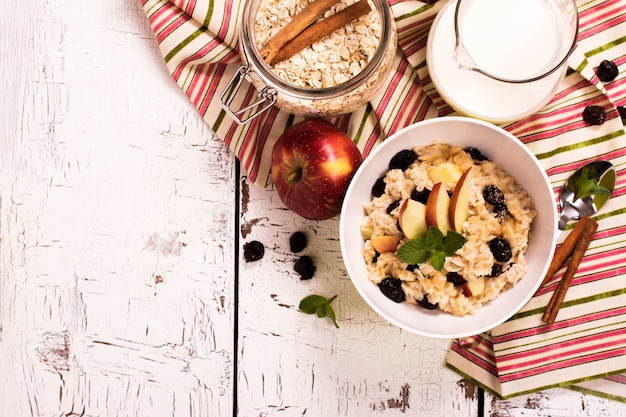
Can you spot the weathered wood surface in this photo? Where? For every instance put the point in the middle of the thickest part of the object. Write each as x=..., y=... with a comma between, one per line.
x=117, y=223
x=123, y=291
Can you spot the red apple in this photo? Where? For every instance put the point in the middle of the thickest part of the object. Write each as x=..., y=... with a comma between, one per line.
x=385, y=243
x=474, y=288
x=412, y=218
x=312, y=165
x=437, y=208
x=459, y=201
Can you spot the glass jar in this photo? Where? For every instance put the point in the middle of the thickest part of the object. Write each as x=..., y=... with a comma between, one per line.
x=272, y=89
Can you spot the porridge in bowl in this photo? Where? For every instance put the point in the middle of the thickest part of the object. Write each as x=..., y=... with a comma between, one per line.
x=443, y=192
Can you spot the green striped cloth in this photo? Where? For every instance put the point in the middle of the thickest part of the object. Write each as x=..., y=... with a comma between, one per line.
x=586, y=348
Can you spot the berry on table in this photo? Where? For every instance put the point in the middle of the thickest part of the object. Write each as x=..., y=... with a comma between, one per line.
x=305, y=267
x=594, y=115
x=392, y=289
x=297, y=242
x=607, y=71
x=253, y=251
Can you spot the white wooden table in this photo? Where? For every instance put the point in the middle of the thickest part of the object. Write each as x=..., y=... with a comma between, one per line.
x=123, y=289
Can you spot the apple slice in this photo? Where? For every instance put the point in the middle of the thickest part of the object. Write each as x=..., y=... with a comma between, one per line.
x=437, y=208
x=459, y=201
x=447, y=173
x=385, y=243
x=367, y=230
x=474, y=288
x=412, y=218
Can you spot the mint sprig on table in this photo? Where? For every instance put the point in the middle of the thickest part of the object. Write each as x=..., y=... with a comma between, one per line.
x=586, y=184
x=316, y=304
x=432, y=247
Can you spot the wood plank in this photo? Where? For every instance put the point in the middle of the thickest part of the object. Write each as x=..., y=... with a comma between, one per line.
x=556, y=402
x=117, y=223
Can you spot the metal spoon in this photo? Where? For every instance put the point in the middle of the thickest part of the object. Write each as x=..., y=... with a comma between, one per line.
x=586, y=206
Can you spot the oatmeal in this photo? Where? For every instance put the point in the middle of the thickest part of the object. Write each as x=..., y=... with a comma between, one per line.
x=496, y=224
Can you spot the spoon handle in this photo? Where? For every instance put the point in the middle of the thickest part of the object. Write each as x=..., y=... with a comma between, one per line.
x=568, y=212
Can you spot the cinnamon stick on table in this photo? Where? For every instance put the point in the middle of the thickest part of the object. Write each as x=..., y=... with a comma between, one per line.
x=588, y=230
x=300, y=22
x=321, y=29
x=565, y=250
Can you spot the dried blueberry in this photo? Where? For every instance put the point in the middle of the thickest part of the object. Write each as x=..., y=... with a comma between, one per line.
x=426, y=304
x=594, y=115
x=394, y=205
x=403, y=159
x=607, y=71
x=493, y=195
x=375, y=257
x=253, y=251
x=305, y=267
x=297, y=242
x=392, y=289
x=501, y=249
x=496, y=270
x=420, y=195
x=378, y=188
x=412, y=267
x=455, y=278
x=475, y=154
x=501, y=210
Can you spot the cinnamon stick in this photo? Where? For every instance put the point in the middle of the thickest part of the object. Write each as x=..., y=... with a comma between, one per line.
x=565, y=250
x=321, y=29
x=300, y=22
x=589, y=229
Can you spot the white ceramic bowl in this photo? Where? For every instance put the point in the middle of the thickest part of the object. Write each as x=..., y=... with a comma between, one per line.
x=502, y=148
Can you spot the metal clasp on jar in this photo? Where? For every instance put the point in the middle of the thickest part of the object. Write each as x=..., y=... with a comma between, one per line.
x=267, y=97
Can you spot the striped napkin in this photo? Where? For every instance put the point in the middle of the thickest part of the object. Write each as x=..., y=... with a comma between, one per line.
x=584, y=349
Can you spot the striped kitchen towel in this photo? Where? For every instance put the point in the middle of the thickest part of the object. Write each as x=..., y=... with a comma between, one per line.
x=584, y=349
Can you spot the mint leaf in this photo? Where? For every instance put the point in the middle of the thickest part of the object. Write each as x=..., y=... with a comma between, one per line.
x=310, y=303
x=433, y=237
x=316, y=304
x=432, y=247
x=413, y=252
x=453, y=242
x=331, y=314
x=437, y=259
x=586, y=184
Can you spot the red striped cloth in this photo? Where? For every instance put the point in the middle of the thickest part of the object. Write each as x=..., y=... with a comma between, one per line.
x=585, y=348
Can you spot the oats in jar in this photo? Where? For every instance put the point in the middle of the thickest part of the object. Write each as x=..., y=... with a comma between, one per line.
x=331, y=61
x=457, y=192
